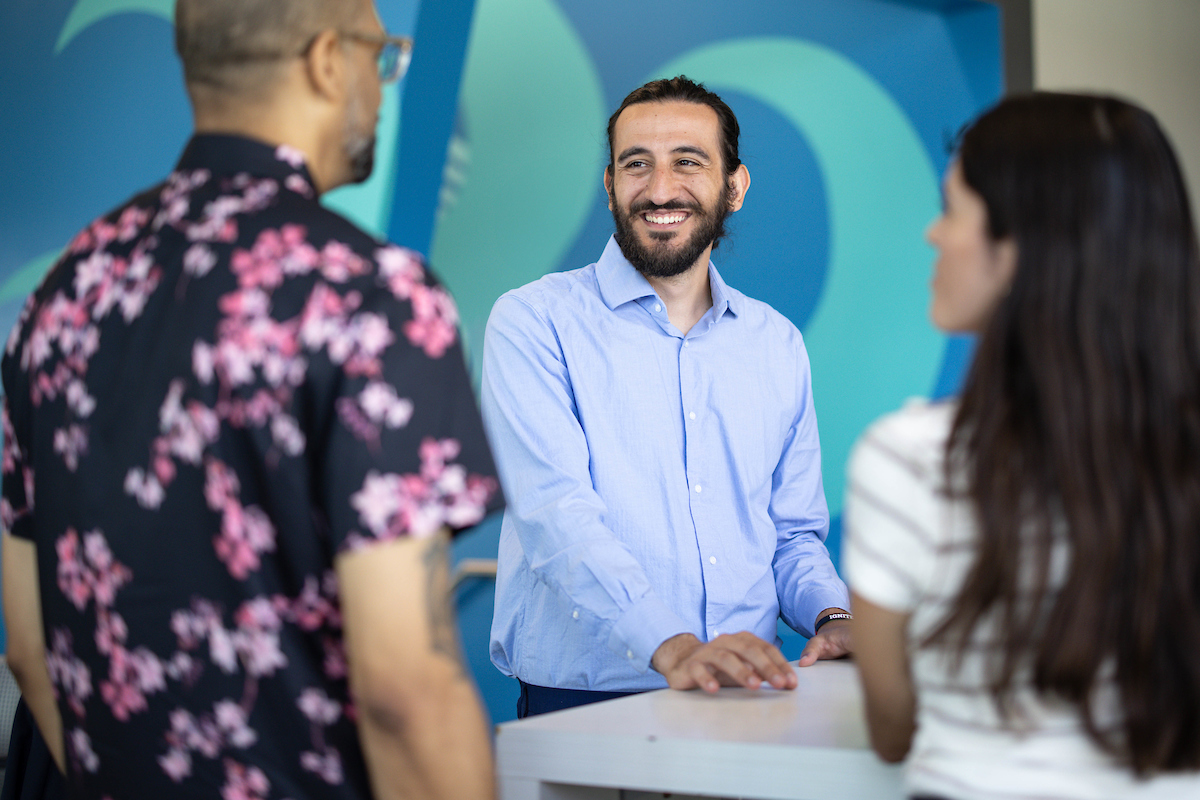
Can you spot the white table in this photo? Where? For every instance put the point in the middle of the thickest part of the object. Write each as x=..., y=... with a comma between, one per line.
x=807, y=744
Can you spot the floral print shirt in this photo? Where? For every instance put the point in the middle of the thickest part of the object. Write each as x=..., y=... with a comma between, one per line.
x=220, y=387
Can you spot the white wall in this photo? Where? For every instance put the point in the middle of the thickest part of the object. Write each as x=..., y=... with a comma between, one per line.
x=1145, y=50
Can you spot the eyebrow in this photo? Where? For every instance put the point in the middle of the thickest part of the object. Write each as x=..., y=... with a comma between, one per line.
x=639, y=151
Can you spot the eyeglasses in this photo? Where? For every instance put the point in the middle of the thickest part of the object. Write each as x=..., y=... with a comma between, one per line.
x=395, y=53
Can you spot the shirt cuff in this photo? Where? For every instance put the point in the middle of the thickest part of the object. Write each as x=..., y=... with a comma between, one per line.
x=642, y=628
x=817, y=601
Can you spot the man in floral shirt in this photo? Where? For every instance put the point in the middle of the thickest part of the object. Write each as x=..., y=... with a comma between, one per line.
x=238, y=432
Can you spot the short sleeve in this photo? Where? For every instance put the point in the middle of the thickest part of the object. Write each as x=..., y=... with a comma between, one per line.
x=893, y=507
x=404, y=451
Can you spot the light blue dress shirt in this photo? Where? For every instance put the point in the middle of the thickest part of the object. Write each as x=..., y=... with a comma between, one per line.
x=657, y=483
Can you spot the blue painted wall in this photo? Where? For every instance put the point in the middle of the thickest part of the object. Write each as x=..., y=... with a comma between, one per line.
x=492, y=150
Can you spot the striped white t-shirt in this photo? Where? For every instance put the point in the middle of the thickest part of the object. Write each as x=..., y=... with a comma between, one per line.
x=908, y=548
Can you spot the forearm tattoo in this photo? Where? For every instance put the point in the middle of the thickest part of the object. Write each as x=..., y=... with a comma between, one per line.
x=439, y=601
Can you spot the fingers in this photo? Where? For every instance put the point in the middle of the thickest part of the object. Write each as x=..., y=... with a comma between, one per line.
x=740, y=659
x=834, y=641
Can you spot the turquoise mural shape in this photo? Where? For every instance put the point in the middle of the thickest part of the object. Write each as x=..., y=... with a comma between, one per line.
x=529, y=185
x=869, y=340
x=86, y=13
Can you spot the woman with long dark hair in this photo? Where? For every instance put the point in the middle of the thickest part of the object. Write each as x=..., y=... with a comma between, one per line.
x=1025, y=562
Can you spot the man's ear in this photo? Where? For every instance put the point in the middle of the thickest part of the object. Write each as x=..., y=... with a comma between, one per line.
x=608, y=186
x=739, y=182
x=325, y=65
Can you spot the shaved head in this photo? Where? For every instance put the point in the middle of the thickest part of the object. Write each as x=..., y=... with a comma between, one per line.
x=236, y=48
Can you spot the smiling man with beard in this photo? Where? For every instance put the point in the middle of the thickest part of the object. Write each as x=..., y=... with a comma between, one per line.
x=655, y=432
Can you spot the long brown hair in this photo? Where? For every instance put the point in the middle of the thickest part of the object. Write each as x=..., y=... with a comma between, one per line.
x=1079, y=423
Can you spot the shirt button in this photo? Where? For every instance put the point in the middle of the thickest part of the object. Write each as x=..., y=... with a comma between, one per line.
x=575, y=615
x=692, y=415
x=629, y=654
x=697, y=490
x=712, y=559
x=657, y=307
x=687, y=343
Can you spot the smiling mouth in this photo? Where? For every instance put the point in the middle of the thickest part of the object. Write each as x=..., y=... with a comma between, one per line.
x=665, y=218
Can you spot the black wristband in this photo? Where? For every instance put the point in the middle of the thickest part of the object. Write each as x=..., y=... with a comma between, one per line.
x=827, y=617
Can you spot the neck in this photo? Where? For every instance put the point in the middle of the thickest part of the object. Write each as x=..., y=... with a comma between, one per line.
x=687, y=295
x=280, y=120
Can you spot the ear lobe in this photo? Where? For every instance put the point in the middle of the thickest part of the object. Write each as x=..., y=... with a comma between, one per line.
x=608, y=186
x=325, y=65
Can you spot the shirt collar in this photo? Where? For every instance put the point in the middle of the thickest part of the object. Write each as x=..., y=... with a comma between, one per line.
x=226, y=154
x=620, y=282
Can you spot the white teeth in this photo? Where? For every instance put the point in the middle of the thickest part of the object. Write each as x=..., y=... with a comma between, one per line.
x=666, y=219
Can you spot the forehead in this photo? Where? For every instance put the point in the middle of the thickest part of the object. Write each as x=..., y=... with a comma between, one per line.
x=667, y=125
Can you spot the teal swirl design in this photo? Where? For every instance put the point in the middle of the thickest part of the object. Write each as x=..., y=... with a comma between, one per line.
x=869, y=340
x=526, y=189
x=26, y=278
x=86, y=13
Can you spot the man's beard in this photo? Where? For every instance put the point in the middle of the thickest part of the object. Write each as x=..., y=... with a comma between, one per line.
x=660, y=259
x=358, y=146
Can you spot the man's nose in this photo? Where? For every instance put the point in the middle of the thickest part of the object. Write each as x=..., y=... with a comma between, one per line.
x=664, y=186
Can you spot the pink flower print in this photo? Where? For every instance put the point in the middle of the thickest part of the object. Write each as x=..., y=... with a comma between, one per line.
x=199, y=260
x=402, y=269
x=92, y=272
x=203, y=361
x=392, y=505
x=275, y=254
x=78, y=399
x=246, y=533
x=326, y=764
x=93, y=573
x=7, y=515
x=72, y=575
x=231, y=721
x=324, y=318
x=252, y=302
x=287, y=435
x=435, y=319
x=297, y=184
x=131, y=676
x=339, y=263
x=290, y=155
x=176, y=763
x=383, y=406
x=131, y=221
x=12, y=450
x=259, y=649
x=361, y=345
x=310, y=610
x=318, y=708
x=70, y=443
x=145, y=488
x=70, y=676
x=258, y=613
x=79, y=745
x=221, y=649
x=244, y=783
x=221, y=484
x=335, y=660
